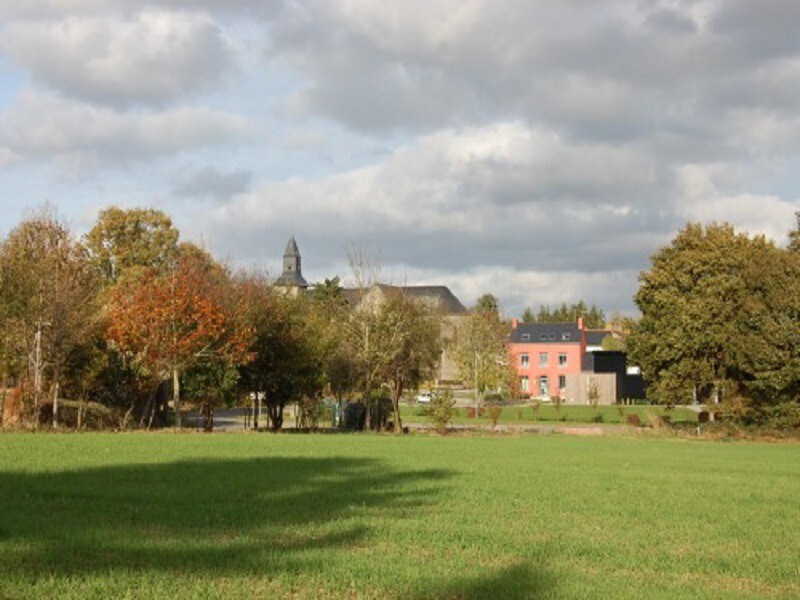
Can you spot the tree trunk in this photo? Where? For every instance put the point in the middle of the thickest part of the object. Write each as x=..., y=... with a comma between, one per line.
x=56, y=389
x=176, y=397
x=3, y=399
x=275, y=412
x=397, y=393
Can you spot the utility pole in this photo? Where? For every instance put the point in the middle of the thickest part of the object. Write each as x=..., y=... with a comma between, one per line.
x=37, y=369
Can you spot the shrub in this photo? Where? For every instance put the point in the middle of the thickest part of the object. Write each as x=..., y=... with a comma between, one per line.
x=633, y=420
x=520, y=416
x=442, y=410
x=598, y=418
x=495, y=412
x=535, y=406
x=557, y=401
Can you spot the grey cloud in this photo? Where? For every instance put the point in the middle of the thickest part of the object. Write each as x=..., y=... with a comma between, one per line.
x=211, y=183
x=46, y=127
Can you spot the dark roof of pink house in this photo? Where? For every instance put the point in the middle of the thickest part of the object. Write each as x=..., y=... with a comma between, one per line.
x=546, y=333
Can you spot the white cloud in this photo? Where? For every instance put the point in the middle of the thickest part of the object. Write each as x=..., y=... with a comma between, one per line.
x=151, y=58
x=701, y=200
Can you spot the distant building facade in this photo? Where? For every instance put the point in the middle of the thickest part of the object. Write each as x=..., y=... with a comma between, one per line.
x=566, y=360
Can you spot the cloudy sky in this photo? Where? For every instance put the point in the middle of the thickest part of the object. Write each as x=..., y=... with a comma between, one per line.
x=535, y=149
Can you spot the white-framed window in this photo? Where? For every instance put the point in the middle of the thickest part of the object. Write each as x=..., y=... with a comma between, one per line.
x=562, y=359
x=565, y=336
x=526, y=337
x=523, y=383
x=524, y=361
x=543, y=359
x=544, y=386
x=562, y=382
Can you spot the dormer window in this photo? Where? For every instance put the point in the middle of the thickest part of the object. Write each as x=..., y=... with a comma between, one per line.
x=526, y=337
x=565, y=336
x=551, y=336
x=543, y=336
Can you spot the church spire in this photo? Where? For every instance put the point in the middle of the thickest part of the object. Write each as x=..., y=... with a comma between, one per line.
x=292, y=276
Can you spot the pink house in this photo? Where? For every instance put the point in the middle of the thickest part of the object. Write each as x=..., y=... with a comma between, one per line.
x=544, y=354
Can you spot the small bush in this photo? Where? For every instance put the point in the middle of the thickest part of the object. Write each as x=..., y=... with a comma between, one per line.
x=633, y=420
x=442, y=410
x=535, y=406
x=495, y=412
x=598, y=418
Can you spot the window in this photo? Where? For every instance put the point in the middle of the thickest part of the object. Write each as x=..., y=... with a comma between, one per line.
x=543, y=359
x=543, y=336
x=562, y=382
x=523, y=383
x=565, y=337
x=526, y=337
x=551, y=336
x=544, y=386
x=524, y=361
x=562, y=359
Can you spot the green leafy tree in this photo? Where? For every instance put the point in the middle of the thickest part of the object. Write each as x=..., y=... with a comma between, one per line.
x=489, y=304
x=481, y=352
x=138, y=238
x=720, y=319
x=593, y=316
x=48, y=297
x=794, y=236
x=288, y=349
x=411, y=346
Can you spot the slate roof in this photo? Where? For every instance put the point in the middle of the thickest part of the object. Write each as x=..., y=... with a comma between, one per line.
x=446, y=299
x=595, y=337
x=441, y=294
x=291, y=279
x=546, y=333
x=291, y=248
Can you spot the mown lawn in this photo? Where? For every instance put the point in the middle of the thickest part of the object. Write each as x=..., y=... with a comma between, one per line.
x=259, y=515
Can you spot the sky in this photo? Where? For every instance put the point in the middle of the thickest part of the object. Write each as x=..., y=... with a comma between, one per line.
x=538, y=150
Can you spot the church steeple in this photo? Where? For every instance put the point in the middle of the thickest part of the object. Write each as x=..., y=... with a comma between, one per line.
x=292, y=276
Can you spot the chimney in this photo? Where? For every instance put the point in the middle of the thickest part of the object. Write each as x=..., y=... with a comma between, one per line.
x=514, y=323
x=580, y=323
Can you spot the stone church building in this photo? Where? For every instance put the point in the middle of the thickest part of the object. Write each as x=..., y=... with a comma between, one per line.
x=439, y=297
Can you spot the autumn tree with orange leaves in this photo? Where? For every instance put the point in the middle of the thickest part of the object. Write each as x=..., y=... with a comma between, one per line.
x=170, y=322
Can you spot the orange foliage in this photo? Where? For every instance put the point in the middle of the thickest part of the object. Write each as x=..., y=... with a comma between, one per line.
x=179, y=318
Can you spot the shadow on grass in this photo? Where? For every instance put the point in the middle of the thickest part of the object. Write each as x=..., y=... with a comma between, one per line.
x=516, y=582
x=211, y=517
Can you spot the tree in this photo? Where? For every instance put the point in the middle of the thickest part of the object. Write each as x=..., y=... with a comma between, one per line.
x=488, y=303
x=289, y=348
x=408, y=334
x=720, y=319
x=49, y=291
x=481, y=352
x=138, y=238
x=170, y=322
x=794, y=236
x=593, y=316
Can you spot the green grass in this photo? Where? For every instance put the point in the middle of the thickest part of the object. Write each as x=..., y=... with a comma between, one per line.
x=258, y=515
x=549, y=415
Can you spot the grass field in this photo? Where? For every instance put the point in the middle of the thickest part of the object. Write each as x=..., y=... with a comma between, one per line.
x=258, y=515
